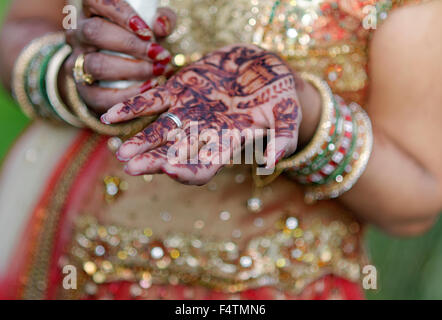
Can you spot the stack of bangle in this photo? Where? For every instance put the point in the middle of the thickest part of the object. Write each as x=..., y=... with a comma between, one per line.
x=338, y=153
x=35, y=87
x=28, y=83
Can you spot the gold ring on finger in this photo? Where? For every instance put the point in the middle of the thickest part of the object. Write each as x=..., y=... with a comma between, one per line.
x=80, y=76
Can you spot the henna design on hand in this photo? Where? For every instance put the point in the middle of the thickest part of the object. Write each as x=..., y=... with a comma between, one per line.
x=238, y=87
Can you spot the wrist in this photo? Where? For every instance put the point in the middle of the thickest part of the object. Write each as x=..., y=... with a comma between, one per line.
x=311, y=105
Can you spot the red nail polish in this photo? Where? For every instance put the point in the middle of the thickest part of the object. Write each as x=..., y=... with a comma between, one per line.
x=154, y=50
x=140, y=28
x=158, y=53
x=146, y=86
x=170, y=71
x=164, y=23
x=166, y=60
x=158, y=69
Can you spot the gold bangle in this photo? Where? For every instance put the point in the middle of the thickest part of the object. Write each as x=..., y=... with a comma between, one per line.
x=91, y=121
x=52, y=87
x=80, y=75
x=365, y=141
x=20, y=68
x=322, y=133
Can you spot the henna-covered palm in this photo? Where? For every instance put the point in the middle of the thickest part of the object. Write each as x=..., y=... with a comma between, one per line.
x=237, y=87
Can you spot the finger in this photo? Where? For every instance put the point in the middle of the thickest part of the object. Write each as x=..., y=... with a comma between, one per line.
x=121, y=13
x=109, y=67
x=148, y=163
x=152, y=102
x=101, y=99
x=155, y=135
x=287, y=116
x=164, y=22
x=186, y=148
x=190, y=174
x=277, y=149
x=157, y=161
x=70, y=62
x=105, y=35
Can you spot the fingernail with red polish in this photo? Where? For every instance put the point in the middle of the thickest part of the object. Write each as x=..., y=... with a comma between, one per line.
x=164, y=23
x=158, y=53
x=104, y=120
x=140, y=28
x=147, y=86
x=158, y=69
x=169, y=71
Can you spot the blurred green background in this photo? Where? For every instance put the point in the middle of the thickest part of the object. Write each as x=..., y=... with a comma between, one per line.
x=12, y=121
x=407, y=268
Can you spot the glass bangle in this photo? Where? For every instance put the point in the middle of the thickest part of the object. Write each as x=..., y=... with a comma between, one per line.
x=21, y=66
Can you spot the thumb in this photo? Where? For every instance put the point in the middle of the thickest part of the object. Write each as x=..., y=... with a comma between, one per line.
x=164, y=22
x=284, y=138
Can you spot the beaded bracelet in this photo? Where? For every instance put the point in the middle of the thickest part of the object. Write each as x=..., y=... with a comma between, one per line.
x=358, y=160
x=326, y=153
x=335, y=159
x=339, y=149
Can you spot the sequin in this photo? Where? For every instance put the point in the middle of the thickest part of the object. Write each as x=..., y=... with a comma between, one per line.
x=157, y=253
x=254, y=204
x=224, y=215
x=306, y=254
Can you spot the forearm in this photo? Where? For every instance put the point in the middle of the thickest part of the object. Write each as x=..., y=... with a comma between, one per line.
x=401, y=189
x=25, y=21
x=395, y=192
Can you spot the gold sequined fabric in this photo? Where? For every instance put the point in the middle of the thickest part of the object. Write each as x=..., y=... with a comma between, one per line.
x=326, y=37
x=291, y=256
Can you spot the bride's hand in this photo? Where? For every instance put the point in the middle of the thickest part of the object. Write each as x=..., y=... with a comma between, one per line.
x=238, y=87
x=115, y=26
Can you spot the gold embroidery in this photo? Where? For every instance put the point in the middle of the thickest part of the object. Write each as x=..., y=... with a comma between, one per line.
x=290, y=257
x=38, y=275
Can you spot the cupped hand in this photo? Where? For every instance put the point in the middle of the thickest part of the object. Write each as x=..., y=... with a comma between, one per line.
x=115, y=26
x=240, y=87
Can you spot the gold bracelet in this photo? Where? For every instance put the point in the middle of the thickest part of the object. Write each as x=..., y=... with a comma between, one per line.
x=52, y=87
x=322, y=133
x=20, y=68
x=365, y=143
x=92, y=122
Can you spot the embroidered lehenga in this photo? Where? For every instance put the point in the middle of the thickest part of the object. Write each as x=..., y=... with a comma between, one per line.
x=150, y=237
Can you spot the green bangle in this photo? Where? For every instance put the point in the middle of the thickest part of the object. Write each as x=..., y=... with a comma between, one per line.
x=323, y=158
x=42, y=82
x=34, y=81
x=341, y=168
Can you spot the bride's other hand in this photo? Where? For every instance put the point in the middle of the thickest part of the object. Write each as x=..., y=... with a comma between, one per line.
x=115, y=26
x=239, y=87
